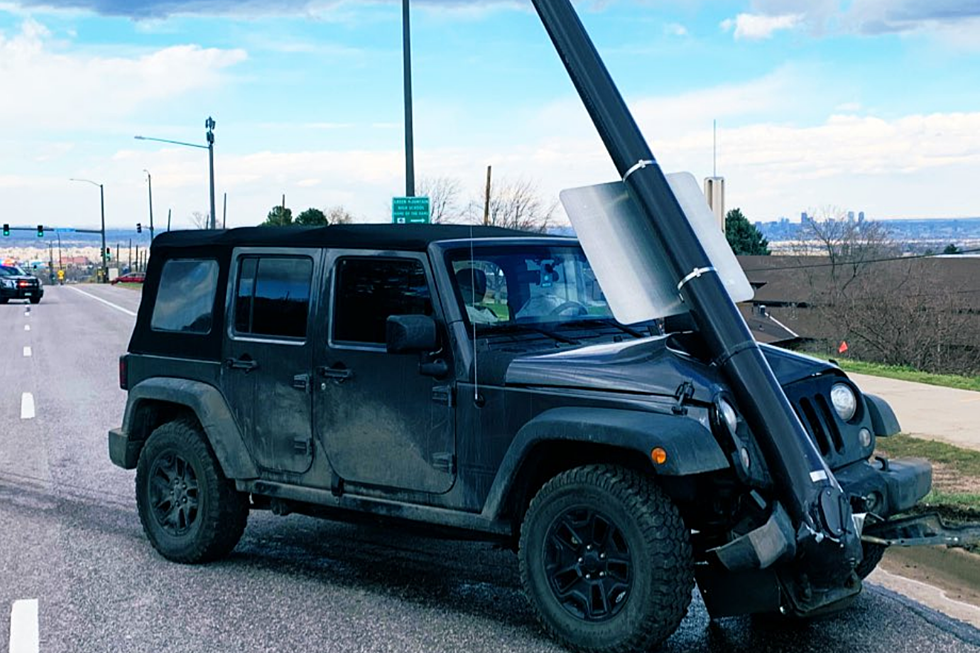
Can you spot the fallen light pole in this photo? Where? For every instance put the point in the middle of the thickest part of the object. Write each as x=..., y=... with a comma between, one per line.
x=823, y=531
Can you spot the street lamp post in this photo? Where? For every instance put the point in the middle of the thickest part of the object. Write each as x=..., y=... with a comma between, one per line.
x=409, y=135
x=149, y=186
x=105, y=264
x=209, y=124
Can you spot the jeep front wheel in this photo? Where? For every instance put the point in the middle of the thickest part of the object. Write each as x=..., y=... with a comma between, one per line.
x=190, y=512
x=606, y=560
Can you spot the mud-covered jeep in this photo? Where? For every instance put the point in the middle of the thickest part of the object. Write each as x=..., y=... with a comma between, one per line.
x=475, y=379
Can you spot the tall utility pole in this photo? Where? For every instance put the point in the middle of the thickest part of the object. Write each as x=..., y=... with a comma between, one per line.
x=486, y=201
x=149, y=186
x=407, y=62
x=209, y=124
x=224, y=213
x=105, y=263
x=168, y=219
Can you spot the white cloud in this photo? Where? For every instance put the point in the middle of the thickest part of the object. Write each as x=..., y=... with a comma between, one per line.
x=44, y=86
x=675, y=29
x=760, y=26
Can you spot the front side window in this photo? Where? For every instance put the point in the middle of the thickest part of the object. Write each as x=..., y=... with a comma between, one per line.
x=273, y=296
x=185, y=298
x=368, y=291
x=532, y=284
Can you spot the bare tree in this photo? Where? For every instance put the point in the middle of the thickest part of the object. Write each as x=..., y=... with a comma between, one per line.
x=200, y=220
x=516, y=204
x=444, y=196
x=339, y=215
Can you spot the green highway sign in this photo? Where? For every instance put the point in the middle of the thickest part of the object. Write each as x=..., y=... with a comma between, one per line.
x=410, y=210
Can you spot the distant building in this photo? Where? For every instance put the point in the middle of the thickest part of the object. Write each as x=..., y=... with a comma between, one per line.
x=860, y=217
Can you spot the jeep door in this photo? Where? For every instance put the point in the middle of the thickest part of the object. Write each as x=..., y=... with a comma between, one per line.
x=268, y=354
x=381, y=422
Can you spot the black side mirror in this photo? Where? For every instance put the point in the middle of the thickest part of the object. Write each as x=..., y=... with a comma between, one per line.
x=407, y=334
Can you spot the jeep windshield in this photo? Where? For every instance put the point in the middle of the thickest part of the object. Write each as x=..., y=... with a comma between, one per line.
x=538, y=288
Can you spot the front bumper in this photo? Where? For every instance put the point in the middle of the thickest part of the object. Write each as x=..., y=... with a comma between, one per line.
x=123, y=452
x=28, y=292
x=886, y=487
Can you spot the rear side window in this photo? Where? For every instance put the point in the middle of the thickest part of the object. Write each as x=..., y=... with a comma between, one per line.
x=369, y=290
x=185, y=297
x=273, y=296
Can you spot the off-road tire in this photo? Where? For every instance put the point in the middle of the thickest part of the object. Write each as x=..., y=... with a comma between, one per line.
x=218, y=522
x=659, y=548
x=4, y=300
x=34, y=300
x=872, y=556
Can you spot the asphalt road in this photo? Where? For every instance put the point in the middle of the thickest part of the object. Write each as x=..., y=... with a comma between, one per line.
x=70, y=540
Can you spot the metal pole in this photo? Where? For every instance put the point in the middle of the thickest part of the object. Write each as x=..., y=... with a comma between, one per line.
x=149, y=185
x=130, y=254
x=224, y=213
x=486, y=201
x=168, y=219
x=209, y=123
x=409, y=138
x=61, y=265
x=105, y=263
x=807, y=487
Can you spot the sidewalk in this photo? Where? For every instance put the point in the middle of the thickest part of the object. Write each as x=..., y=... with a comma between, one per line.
x=929, y=411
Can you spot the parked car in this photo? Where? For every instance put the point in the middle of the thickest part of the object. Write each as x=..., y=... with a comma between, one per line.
x=132, y=277
x=17, y=284
x=475, y=380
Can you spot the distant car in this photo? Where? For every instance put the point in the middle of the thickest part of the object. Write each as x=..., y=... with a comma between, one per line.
x=17, y=284
x=132, y=277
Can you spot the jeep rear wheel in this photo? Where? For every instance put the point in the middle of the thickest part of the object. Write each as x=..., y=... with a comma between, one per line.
x=606, y=560
x=190, y=512
x=872, y=556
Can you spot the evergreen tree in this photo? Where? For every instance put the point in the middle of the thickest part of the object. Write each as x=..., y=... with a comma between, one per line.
x=278, y=217
x=742, y=235
x=312, y=218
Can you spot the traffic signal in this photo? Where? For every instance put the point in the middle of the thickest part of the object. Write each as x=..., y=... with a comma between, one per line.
x=40, y=231
x=108, y=254
x=139, y=228
x=6, y=229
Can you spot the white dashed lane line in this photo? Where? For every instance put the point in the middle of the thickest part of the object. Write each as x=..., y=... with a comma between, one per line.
x=27, y=406
x=25, y=633
x=27, y=327
x=27, y=350
x=107, y=303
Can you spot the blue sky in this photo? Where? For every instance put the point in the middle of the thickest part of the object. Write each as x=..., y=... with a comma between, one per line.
x=869, y=105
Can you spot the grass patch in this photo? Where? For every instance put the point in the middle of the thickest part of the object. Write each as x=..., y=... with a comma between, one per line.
x=903, y=373
x=131, y=286
x=962, y=461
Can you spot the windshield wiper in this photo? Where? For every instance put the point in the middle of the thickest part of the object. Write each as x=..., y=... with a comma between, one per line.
x=490, y=329
x=607, y=322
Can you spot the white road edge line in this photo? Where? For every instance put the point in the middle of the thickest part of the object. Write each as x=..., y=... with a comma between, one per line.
x=107, y=303
x=27, y=350
x=27, y=406
x=25, y=633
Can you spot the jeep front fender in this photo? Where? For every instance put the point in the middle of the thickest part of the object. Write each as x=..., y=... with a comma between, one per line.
x=690, y=447
x=208, y=404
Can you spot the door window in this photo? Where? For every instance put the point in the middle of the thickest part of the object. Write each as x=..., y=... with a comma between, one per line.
x=273, y=296
x=367, y=291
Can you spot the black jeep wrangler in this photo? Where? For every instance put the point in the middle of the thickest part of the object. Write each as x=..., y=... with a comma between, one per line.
x=475, y=379
x=17, y=284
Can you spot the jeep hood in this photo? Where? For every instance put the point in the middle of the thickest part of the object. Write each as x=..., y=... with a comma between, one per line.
x=646, y=366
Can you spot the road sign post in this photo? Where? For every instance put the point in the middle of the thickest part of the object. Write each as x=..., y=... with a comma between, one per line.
x=410, y=210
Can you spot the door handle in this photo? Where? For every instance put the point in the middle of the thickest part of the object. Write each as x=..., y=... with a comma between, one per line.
x=336, y=374
x=243, y=363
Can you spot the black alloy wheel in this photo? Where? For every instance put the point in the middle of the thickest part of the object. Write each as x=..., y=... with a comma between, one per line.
x=190, y=511
x=173, y=493
x=588, y=563
x=606, y=560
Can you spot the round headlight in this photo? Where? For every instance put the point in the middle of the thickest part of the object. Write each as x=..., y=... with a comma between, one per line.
x=728, y=415
x=844, y=400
